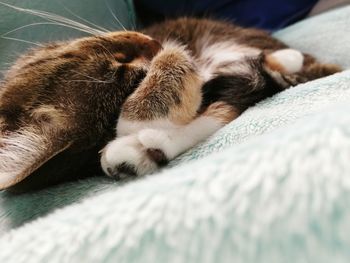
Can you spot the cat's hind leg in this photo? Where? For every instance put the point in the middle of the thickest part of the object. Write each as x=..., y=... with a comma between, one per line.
x=313, y=69
x=290, y=67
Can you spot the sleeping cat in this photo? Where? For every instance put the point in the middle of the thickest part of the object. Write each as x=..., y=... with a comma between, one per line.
x=171, y=87
x=207, y=74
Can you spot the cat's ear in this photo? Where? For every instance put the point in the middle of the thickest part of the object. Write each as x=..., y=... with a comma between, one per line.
x=25, y=150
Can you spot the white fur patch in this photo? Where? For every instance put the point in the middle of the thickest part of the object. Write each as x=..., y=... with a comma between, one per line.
x=126, y=127
x=215, y=54
x=173, y=142
x=157, y=139
x=291, y=60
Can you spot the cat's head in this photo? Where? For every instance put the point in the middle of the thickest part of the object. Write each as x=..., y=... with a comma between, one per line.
x=66, y=96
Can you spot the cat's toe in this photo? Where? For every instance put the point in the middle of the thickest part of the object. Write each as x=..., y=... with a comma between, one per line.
x=125, y=157
x=122, y=171
x=158, y=140
x=157, y=156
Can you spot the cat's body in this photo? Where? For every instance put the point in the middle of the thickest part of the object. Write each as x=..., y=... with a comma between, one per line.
x=207, y=74
x=60, y=103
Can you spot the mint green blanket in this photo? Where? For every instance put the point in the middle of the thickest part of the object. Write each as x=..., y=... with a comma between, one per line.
x=272, y=186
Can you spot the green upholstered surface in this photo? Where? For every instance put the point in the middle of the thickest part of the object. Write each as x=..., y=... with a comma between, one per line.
x=96, y=12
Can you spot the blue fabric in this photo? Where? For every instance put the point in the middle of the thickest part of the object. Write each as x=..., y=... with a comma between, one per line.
x=270, y=15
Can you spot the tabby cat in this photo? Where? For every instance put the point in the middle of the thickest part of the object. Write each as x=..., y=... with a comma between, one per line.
x=206, y=75
x=167, y=89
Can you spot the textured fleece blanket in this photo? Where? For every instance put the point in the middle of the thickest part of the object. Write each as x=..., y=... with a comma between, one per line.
x=272, y=186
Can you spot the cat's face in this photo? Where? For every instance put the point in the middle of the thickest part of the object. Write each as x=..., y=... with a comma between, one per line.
x=67, y=96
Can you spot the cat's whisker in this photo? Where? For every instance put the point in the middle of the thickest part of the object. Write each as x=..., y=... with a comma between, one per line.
x=61, y=19
x=111, y=56
x=89, y=81
x=85, y=20
x=42, y=23
x=56, y=18
x=109, y=52
x=7, y=63
x=132, y=19
x=22, y=40
x=39, y=23
x=133, y=25
x=67, y=22
x=18, y=28
x=77, y=28
x=114, y=16
x=87, y=76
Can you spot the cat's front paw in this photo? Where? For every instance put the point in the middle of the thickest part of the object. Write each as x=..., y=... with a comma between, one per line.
x=156, y=141
x=127, y=156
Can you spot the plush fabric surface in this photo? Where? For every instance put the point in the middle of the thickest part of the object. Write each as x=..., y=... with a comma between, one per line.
x=272, y=186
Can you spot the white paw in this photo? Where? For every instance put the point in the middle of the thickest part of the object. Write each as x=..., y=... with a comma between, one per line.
x=126, y=156
x=292, y=60
x=155, y=139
